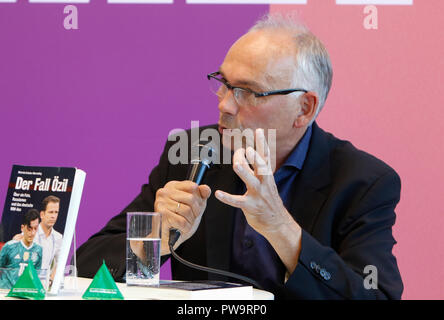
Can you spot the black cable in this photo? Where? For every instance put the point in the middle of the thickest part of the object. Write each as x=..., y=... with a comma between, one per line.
x=175, y=234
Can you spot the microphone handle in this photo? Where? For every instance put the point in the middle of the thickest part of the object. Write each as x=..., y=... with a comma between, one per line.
x=197, y=171
x=196, y=174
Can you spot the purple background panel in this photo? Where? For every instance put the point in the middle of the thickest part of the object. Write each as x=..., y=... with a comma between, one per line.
x=103, y=98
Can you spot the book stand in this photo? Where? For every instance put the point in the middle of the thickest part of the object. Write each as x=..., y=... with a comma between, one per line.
x=69, y=285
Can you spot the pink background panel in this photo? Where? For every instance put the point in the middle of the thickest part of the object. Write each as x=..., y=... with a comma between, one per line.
x=387, y=98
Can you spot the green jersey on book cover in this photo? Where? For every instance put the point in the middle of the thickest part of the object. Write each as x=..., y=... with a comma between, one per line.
x=15, y=256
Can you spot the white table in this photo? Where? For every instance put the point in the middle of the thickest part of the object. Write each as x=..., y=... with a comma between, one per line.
x=129, y=293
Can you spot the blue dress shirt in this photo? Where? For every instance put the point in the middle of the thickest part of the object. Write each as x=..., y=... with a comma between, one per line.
x=252, y=254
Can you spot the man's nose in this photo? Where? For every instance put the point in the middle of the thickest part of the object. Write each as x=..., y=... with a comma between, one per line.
x=228, y=104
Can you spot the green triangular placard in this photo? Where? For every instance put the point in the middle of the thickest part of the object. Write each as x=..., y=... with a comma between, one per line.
x=103, y=286
x=28, y=286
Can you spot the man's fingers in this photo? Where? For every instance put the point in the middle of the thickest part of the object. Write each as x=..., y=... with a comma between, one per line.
x=177, y=221
x=263, y=149
x=169, y=207
x=243, y=170
x=247, y=176
x=186, y=200
x=240, y=158
x=183, y=210
x=185, y=185
x=230, y=199
x=262, y=145
x=184, y=192
x=205, y=191
x=261, y=167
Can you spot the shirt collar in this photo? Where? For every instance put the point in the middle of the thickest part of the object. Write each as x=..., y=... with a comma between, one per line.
x=40, y=229
x=299, y=153
x=24, y=245
x=42, y=233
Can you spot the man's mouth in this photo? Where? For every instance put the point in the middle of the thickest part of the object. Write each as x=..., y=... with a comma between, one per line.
x=222, y=128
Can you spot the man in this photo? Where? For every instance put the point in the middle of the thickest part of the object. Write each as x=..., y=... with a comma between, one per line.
x=16, y=255
x=307, y=231
x=47, y=237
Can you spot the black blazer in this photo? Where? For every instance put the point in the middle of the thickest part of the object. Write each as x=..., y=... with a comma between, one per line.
x=344, y=200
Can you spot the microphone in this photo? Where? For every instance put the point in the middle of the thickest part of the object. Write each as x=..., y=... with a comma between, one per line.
x=203, y=161
x=196, y=173
x=199, y=166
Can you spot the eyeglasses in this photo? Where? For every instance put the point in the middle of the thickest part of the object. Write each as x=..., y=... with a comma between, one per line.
x=243, y=96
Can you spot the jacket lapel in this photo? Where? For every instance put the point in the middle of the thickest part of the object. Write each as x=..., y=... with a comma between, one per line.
x=308, y=197
x=219, y=218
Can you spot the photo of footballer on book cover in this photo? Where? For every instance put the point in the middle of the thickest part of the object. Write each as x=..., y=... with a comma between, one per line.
x=33, y=220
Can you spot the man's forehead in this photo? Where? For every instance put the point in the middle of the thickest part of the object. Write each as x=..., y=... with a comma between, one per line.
x=265, y=44
x=259, y=55
x=33, y=224
x=52, y=204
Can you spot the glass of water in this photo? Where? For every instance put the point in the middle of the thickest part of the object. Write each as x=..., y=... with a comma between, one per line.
x=143, y=248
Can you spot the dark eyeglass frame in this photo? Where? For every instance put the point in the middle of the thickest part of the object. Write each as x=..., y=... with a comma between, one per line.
x=256, y=94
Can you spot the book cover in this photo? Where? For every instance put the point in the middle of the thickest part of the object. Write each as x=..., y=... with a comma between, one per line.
x=190, y=290
x=53, y=193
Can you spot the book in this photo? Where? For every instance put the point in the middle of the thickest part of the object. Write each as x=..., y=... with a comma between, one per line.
x=54, y=194
x=190, y=290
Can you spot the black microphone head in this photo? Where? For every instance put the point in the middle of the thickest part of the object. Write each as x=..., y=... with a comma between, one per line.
x=205, y=151
x=203, y=155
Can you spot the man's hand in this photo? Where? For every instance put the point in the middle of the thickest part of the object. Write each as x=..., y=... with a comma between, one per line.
x=18, y=237
x=181, y=204
x=261, y=204
x=138, y=250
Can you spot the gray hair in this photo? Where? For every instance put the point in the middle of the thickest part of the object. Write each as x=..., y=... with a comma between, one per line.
x=313, y=70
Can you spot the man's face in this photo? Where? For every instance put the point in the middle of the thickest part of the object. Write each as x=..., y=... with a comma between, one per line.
x=261, y=62
x=49, y=216
x=30, y=232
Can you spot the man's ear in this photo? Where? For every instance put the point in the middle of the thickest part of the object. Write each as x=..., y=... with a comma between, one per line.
x=308, y=104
